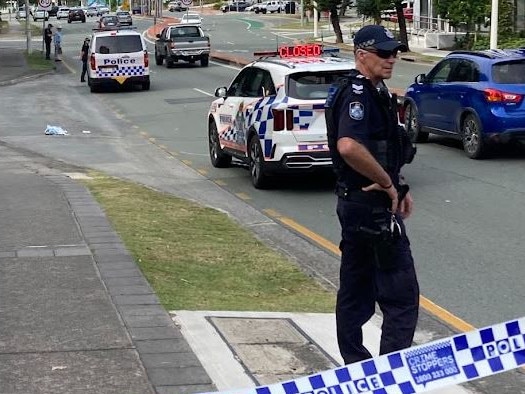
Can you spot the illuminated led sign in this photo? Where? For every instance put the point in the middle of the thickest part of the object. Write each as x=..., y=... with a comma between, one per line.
x=303, y=50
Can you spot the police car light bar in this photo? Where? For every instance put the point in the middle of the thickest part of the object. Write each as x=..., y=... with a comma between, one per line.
x=300, y=50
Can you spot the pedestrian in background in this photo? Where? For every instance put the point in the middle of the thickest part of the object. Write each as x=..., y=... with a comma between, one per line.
x=58, y=44
x=48, y=37
x=368, y=149
x=84, y=58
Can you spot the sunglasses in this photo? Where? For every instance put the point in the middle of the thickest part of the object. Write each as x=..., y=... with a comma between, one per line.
x=382, y=53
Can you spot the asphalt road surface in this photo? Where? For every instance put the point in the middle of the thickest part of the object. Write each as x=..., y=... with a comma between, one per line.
x=467, y=227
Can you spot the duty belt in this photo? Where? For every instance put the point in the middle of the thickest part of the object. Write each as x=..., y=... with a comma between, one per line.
x=374, y=198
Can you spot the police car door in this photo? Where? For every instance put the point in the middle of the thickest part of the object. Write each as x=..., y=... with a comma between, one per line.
x=244, y=91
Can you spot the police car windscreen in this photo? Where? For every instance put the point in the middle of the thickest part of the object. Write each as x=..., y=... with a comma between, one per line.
x=312, y=85
x=119, y=44
x=509, y=72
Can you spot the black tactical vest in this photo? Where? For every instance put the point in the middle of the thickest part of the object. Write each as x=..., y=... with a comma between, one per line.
x=391, y=148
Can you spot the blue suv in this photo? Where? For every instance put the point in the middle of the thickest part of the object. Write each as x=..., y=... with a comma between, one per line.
x=477, y=97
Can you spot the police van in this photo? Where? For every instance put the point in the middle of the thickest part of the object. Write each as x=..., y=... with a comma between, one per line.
x=116, y=57
x=272, y=114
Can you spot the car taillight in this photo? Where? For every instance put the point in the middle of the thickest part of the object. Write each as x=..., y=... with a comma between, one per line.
x=146, y=59
x=289, y=119
x=278, y=119
x=281, y=119
x=497, y=96
x=92, y=62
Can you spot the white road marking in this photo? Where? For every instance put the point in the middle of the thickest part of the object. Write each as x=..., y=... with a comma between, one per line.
x=203, y=92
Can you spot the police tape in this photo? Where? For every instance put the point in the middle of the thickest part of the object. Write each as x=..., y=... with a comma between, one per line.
x=451, y=361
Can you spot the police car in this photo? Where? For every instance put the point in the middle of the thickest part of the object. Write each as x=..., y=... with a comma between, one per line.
x=272, y=114
x=117, y=57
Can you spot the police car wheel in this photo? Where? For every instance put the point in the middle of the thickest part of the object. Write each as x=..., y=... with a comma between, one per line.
x=218, y=158
x=472, y=138
x=257, y=170
x=412, y=124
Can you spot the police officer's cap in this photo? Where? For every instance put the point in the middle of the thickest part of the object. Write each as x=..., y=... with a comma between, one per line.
x=379, y=37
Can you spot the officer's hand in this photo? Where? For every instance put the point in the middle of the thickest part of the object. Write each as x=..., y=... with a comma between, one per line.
x=391, y=191
x=406, y=206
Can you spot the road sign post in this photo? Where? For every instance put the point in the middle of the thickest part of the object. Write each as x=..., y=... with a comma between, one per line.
x=46, y=6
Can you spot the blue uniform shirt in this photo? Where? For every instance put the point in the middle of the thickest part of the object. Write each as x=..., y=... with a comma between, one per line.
x=360, y=118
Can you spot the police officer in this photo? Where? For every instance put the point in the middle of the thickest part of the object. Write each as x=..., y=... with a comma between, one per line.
x=84, y=58
x=368, y=149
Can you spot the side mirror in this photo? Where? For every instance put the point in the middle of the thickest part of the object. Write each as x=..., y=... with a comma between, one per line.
x=157, y=35
x=420, y=79
x=220, y=92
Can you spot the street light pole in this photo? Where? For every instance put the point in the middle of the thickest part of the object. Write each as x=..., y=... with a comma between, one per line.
x=494, y=17
x=28, y=31
x=316, y=15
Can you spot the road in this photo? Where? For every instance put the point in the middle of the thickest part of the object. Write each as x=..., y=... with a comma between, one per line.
x=468, y=222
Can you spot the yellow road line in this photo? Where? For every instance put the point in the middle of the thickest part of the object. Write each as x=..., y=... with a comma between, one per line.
x=71, y=69
x=429, y=306
x=202, y=171
x=220, y=182
x=243, y=196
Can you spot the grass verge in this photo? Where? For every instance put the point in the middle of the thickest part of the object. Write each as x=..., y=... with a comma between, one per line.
x=36, y=61
x=197, y=258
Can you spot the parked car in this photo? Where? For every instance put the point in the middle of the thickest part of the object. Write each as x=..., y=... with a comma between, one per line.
x=21, y=13
x=102, y=11
x=124, y=17
x=53, y=11
x=235, y=6
x=76, y=14
x=476, y=97
x=177, y=6
x=272, y=115
x=91, y=11
x=40, y=15
x=407, y=12
x=63, y=13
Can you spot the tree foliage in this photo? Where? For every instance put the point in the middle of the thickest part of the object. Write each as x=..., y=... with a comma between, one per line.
x=461, y=13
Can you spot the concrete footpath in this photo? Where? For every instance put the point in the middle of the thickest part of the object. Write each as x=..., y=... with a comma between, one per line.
x=78, y=316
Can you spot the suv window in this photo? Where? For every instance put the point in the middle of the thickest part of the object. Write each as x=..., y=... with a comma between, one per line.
x=118, y=44
x=512, y=72
x=311, y=85
x=465, y=71
x=250, y=83
x=442, y=71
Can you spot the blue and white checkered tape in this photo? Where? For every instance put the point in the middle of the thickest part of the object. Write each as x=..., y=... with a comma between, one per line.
x=122, y=71
x=451, y=361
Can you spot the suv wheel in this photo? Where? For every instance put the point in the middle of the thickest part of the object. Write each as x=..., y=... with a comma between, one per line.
x=218, y=158
x=204, y=61
x=412, y=125
x=158, y=59
x=472, y=137
x=257, y=167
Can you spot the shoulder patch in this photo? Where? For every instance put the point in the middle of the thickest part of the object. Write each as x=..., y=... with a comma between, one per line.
x=356, y=110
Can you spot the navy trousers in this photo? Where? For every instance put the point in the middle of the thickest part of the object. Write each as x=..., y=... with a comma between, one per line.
x=363, y=283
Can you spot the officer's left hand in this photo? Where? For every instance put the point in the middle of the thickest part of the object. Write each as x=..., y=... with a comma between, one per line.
x=405, y=206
